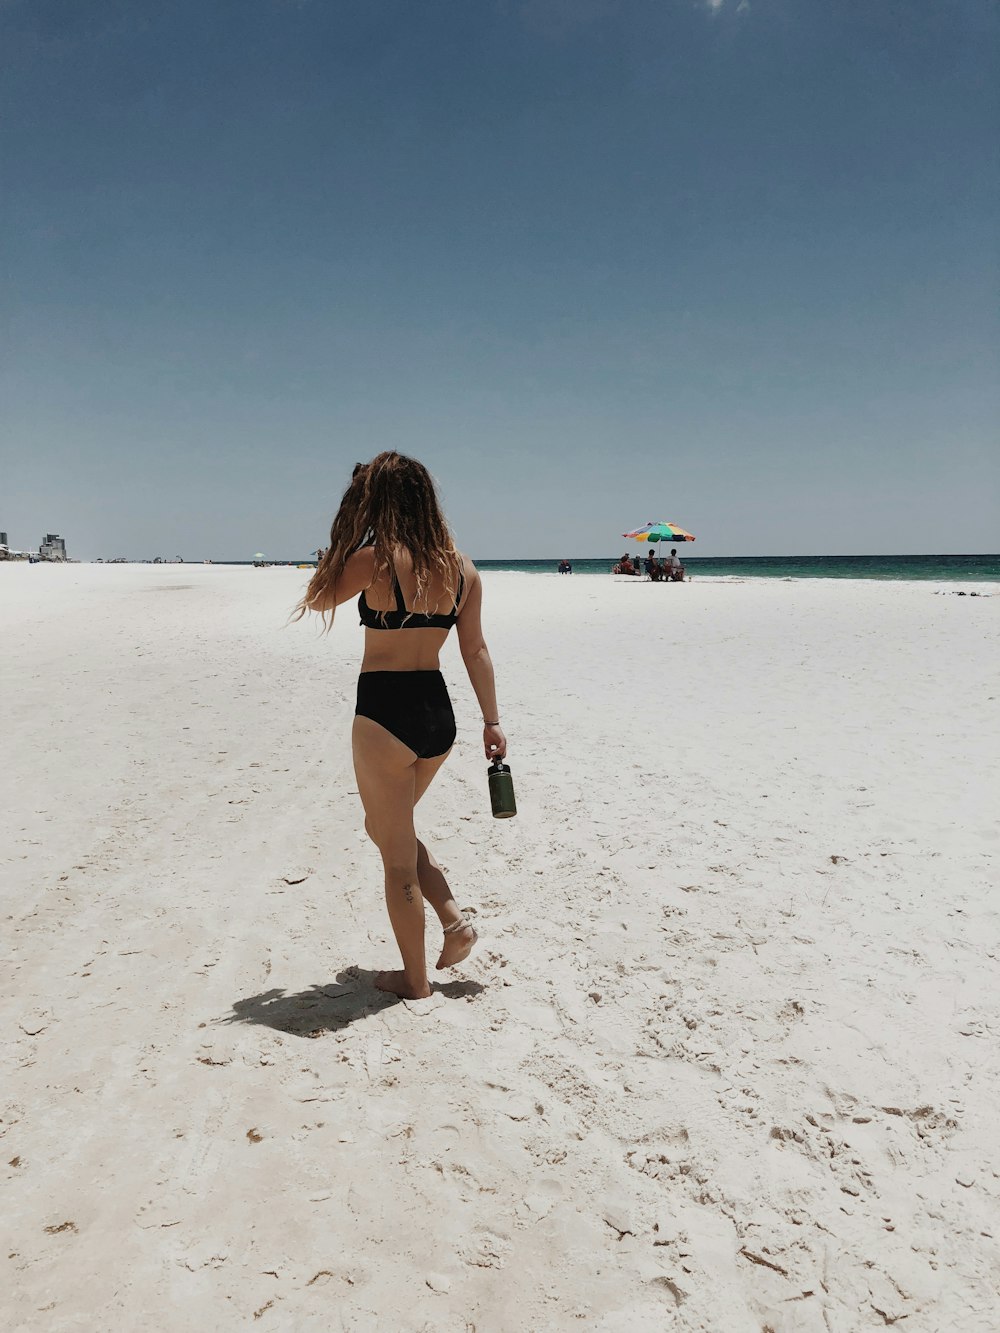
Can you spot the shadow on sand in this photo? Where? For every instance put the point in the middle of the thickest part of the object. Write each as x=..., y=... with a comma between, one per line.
x=331, y=1006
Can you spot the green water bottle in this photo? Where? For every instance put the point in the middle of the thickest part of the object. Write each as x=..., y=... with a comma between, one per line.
x=502, y=790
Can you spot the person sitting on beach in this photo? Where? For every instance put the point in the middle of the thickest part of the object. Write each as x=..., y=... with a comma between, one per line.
x=626, y=566
x=565, y=567
x=390, y=543
x=652, y=568
x=675, y=569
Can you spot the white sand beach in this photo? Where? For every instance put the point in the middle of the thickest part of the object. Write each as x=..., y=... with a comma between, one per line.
x=725, y=1060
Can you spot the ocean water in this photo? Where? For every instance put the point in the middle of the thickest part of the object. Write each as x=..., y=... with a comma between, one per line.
x=927, y=568
x=919, y=568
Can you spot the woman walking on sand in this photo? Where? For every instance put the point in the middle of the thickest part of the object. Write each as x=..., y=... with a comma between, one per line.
x=389, y=543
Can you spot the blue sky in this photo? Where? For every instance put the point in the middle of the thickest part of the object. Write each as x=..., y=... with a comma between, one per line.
x=593, y=261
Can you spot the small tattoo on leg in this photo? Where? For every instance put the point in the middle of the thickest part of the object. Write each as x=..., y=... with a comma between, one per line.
x=408, y=891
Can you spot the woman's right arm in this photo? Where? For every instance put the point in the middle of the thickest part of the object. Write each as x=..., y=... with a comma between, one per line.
x=479, y=665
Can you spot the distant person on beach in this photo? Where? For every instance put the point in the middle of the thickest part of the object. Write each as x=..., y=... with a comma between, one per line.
x=652, y=568
x=675, y=568
x=565, y=567
x=390, y=543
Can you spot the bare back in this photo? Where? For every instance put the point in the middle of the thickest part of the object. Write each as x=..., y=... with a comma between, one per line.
x=409, y=649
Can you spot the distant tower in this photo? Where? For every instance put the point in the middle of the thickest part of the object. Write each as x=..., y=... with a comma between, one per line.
x=3, y=539
x=53, y=547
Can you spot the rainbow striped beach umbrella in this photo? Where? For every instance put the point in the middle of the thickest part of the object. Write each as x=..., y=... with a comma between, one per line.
x=659, y=532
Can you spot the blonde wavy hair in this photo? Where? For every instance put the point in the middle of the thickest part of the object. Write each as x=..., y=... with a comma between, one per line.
x=391, y=504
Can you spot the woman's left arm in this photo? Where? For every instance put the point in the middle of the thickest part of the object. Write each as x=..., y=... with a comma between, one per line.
x=356, y=576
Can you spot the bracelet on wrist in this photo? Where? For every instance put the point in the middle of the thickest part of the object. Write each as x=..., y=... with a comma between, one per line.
x=491, y=724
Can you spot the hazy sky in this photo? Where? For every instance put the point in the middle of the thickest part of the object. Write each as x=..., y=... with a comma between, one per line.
x=594, y=261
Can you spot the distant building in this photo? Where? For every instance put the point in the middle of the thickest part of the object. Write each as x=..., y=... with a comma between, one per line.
x=53, y=547
x=3, y=539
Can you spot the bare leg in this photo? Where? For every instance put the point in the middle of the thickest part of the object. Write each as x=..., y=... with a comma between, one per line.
x=459, y=936
x=434, y=887
x=458, y=940
x=385, y=773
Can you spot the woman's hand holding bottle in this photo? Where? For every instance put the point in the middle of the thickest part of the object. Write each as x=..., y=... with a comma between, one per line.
x=494, y=741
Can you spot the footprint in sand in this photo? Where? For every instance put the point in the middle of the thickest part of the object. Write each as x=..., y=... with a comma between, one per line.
x=486, y=1249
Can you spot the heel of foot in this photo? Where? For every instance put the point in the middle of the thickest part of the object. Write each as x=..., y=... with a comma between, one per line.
x=459, y=941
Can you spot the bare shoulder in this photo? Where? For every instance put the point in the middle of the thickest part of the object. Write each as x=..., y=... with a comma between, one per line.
x=470, y=573
x=357, y=575
x=361, y=565
x=472, y=587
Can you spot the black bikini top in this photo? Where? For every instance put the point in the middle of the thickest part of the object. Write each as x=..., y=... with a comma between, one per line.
x=400, y=618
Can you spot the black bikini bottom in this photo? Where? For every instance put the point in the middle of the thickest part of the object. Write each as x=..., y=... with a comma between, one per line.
x=412, y=705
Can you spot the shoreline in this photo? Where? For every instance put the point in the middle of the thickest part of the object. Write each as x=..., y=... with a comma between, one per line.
x=992, y=583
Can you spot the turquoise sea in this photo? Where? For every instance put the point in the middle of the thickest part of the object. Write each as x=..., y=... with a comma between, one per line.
x=937, y=568
x=919, y=568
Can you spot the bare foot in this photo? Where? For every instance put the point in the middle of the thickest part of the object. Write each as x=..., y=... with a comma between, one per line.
x=396, y=984
x=458, y=944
